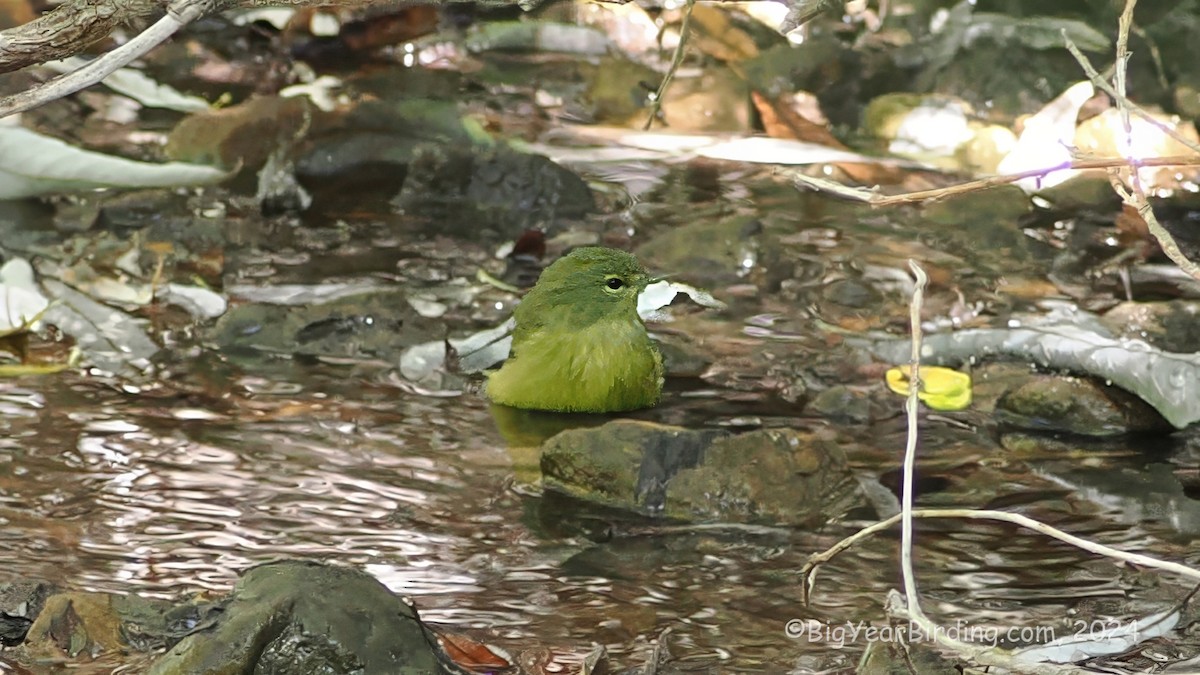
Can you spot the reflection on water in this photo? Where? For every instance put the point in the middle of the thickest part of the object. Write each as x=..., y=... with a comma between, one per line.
x=102, y=495
x=111, y=490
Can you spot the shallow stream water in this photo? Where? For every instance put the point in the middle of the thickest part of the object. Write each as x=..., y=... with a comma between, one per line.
x=126, y=488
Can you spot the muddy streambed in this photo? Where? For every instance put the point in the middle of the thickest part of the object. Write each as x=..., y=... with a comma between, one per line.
x=172, y=485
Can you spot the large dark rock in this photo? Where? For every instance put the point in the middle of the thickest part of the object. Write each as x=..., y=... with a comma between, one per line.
x=624, y=463
x=471, y=191
x=20, y=602
x=292, y=617
x=774, y=476
x=1076, y=405
x=377, y=324
x=778, y=476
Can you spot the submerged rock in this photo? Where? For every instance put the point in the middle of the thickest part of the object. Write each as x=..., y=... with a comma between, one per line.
x=717, y=251
x=378, y=324
x=774, y=476
x=80, y=625
x=471, y=191
x=1076, y=405
x=842, y=403
x=624, y=463
x=779, y=476
x=20, y=603
x=283, y=617
x=308, y=617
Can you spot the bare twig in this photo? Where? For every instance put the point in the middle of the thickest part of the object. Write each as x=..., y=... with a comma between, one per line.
x=874, y=198
x=179, y=14
x=1107, y=87
x=68, y=29
x=909, y=608
x=73, y=25
x=1135, y=195
x=912, y=407
x=685, y=30
x=988, y=656
x=808, y=572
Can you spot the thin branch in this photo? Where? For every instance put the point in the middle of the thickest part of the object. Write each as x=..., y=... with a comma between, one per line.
x=179, y=14
x=1135, y=195
x=68, y=29
x=685, y=30
x=874, y=198
x=1107, y=87
x=808, y=572
x=912, y=406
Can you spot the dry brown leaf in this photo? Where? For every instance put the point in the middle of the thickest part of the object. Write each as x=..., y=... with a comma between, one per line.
x=781, y=120
x=714, y=34
x=472, y=654
x=15, y=13
x=389, y=29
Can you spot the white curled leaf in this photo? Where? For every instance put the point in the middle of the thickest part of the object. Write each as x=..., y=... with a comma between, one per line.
x=32, y=165
x=658, y=295
x=476, y=352
x=21, y=302
x=199, y=302
x=138, y=86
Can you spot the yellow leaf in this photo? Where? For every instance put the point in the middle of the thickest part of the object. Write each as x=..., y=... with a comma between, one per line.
x=21, y=369
x=941, y=388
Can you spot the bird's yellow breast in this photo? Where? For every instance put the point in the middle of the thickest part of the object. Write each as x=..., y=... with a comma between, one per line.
x=608, y=366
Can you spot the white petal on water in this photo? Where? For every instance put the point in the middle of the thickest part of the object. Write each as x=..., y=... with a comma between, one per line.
x=476, y=352
x=660, y=294
x=199, y=302
x=20, y=298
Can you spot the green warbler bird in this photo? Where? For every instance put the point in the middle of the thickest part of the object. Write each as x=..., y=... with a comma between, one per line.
x=579, y=344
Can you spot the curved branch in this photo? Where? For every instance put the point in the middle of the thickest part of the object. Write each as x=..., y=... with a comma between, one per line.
x=179, y=14
x=67, y=30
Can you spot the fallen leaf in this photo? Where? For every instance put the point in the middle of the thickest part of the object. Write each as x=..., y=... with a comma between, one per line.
x=941, y=388
x=471, y=654
x=138, y=86
x=782, y=120
x=716, y=35
x=32, y=165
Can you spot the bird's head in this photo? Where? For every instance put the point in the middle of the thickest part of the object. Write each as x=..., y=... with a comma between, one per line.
x=587, y=284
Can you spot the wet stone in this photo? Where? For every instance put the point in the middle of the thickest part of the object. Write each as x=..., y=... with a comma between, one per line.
x=852, y=293
x=841, y=403
x=367, y=325
x=715, y=251
x=20, y=602
x=307, y=617
x=474, y=192
x=624, y=463
x=1078, y=406
x=775, y=476
x=1171, y=326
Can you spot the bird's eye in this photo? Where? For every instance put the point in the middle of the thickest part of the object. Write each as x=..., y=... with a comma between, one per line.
x=615, y=283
